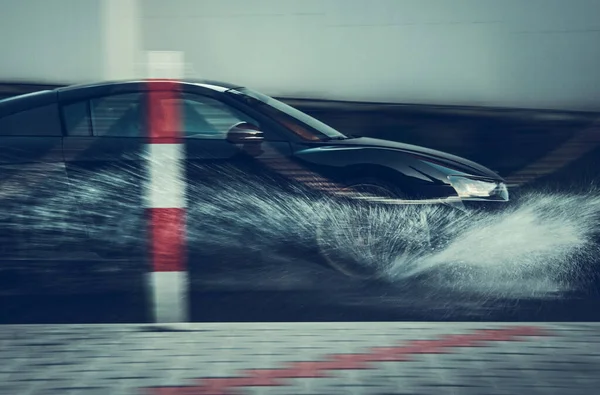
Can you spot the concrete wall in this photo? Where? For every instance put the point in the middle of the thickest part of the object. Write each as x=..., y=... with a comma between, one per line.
x=69, y=41
x=120, y=39
x=50, y=41
x=515, y=53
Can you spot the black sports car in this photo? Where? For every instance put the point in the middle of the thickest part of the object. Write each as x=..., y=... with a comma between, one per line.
x=92, y=128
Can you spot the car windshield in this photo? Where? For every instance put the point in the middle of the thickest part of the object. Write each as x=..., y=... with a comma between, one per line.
x=273, y=107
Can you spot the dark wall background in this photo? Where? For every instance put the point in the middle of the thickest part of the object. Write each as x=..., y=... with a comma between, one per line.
x=531, y=148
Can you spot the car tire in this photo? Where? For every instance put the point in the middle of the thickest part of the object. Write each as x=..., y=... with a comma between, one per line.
x=351, y=266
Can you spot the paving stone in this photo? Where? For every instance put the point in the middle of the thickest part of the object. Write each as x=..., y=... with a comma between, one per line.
x=129, y=359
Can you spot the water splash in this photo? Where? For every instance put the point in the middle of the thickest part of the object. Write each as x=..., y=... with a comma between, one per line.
x=536, y=246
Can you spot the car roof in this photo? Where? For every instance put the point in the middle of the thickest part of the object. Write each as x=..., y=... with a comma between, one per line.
x=23, y=102
x=216, y=85
x=80, y=91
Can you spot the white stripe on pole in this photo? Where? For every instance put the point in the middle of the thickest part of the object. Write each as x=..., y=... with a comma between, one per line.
x=166, y=176
x=170, y=296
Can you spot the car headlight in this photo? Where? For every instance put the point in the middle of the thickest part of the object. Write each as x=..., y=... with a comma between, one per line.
x=478, y=189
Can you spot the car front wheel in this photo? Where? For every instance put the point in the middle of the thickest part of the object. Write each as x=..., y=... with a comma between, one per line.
x=356, y=239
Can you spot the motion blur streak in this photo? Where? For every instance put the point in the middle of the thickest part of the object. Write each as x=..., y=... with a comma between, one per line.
x=536, y=247
x=574, y=148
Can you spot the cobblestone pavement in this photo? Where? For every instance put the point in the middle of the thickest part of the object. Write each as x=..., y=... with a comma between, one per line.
x=300, y=358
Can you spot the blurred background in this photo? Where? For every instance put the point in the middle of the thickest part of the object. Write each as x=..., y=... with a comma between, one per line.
x=512, y=84
x=503, y=83
x=535, y=54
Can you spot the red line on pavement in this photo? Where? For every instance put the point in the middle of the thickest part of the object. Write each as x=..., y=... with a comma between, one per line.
x=357, y=361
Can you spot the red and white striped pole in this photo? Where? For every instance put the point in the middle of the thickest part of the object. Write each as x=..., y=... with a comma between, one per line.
x=166, y=191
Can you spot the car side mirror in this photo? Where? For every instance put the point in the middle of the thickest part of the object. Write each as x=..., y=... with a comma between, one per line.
x=244, y=133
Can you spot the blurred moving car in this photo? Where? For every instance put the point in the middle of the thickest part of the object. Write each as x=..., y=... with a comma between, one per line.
x=86, y=129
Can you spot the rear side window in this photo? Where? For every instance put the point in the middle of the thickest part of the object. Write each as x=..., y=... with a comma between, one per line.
x=109, y=116
x=77, y=119
x=38, y=121
x=118, y=115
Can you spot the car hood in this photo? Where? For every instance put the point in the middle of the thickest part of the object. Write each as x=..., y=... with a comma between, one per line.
x=443, y=158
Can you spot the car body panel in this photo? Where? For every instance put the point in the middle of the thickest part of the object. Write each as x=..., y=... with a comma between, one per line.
x=24, y=102
x=452, y=161
x=420, y=173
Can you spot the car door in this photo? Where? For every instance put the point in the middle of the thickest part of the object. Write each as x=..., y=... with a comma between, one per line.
x=212, y=161
x=224, y=179
x=212, y=157
x=33, y=212
x=104, y=156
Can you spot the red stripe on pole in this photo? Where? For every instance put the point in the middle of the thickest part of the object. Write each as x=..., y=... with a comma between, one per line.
x=164, y=114
x=167, y=239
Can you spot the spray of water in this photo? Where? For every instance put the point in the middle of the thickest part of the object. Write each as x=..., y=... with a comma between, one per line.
x=534, y=247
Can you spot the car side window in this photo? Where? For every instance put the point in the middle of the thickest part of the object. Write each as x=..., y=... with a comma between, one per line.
x=77, y=119
x=38, y=121
x=118, y=115
x=109, y=116
x=124, y=115
x=204, y=117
